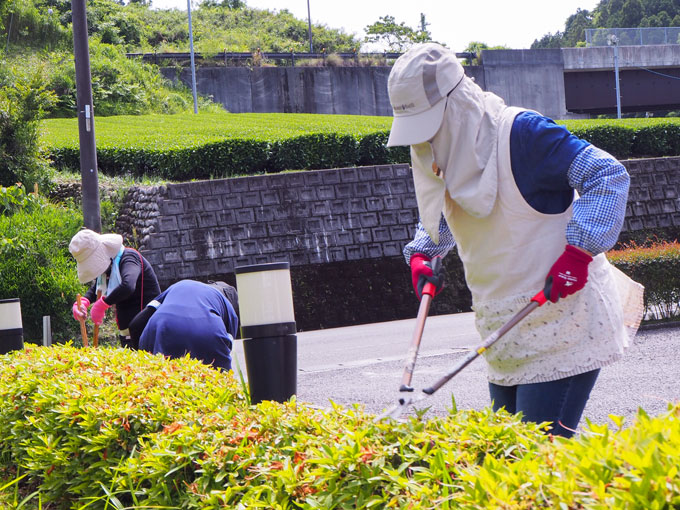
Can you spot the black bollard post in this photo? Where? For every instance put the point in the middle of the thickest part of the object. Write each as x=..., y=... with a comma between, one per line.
x=268, y=330
x=11, y=328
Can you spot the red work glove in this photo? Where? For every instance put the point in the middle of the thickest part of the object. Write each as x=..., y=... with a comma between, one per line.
x=422, y=272
x=568, y=274
x=81, y=313
x=99, y=310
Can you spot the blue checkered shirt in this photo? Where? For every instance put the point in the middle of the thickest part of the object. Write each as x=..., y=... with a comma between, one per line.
x=601, y=181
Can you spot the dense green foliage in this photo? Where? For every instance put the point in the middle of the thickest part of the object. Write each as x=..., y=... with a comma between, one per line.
x=35, y=264
x=613, y=14
x=22, y=105
x=184, y=147
x=177, y=434
x=38, y=38
x=119, y=85
x=657, y=267
x=217, y=26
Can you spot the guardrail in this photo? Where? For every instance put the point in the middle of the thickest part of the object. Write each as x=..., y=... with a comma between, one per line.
x=228, y=56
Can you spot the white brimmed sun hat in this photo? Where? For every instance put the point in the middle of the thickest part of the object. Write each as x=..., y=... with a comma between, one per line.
x=94, y=252
x=418, y=85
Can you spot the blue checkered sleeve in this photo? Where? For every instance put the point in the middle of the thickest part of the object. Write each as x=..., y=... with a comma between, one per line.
x=602, y=183
x=422, y=243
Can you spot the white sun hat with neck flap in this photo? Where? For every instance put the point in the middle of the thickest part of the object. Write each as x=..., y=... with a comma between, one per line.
x=417, y=86
x=94, y=252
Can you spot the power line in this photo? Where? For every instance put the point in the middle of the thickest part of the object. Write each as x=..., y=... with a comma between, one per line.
x=656, y=72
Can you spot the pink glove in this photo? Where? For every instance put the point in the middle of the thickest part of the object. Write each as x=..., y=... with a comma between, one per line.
x=81, y=313
x=99, y=310
x=568, y=274
x=422, y=273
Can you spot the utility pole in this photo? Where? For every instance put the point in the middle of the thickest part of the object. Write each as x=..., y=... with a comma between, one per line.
x=88, y=146
x=309, y=24
x=193, y=65
x=614, y=41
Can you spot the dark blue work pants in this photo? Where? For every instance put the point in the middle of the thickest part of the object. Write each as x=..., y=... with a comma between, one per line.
x=560, y=402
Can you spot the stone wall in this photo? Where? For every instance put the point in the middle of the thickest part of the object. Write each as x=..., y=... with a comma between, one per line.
x=342, y=231
x=206, y=228
x=654, y=196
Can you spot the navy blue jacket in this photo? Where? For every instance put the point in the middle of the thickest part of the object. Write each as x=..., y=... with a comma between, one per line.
x=193, y=318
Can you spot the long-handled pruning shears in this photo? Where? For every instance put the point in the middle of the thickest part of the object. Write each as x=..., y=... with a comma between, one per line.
x=101, y=288
x=404, y=403
x=429, y=290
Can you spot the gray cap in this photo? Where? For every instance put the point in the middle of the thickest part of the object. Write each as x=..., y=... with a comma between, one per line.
x=229, y=292
x=418, y=85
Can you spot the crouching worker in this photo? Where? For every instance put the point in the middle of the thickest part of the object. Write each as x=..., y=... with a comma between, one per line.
x=124, y=277
x=192, y=318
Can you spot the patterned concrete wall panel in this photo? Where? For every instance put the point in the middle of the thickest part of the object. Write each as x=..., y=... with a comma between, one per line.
x=206, y=228
x=305, y=218
x=654, y=197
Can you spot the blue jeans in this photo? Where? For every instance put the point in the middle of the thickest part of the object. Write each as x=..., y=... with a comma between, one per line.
x=560, y=402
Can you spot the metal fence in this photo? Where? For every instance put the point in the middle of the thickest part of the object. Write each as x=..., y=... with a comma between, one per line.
x=632, y=36
x=232, y=58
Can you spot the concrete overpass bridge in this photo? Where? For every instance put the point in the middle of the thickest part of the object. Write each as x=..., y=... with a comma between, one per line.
x=570, y=82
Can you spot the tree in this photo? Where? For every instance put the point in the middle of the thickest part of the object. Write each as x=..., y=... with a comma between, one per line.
x=229, y=4
x=614, y=17
x=549, y=40
x=632, y=13
x=613, y=14
x=656, y=6
x=575, y=27
x=396, y=36
x=22, y=105
x=476, y=47
x=424, y=24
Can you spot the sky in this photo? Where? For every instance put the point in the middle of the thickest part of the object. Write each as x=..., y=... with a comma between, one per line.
x=515, y=24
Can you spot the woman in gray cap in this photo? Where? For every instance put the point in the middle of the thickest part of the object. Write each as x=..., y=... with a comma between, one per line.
x=130, y=282
x=529, y=206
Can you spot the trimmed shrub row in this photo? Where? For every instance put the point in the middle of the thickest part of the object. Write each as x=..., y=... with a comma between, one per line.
x=233, y=157
x=657, y=267
x=631, y=138
x=113, y=428
x=180, y=147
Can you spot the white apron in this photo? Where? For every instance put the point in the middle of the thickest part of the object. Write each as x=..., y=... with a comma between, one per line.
x=507, y=255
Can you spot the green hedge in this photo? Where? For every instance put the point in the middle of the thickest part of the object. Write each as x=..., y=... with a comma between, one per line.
x=187, y=146
x=657, y=267
x=184, y=147
x=112, y=428
x=238, y=157
x=631, y=138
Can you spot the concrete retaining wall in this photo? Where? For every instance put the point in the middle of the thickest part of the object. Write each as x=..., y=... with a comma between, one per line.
x=342, y=231
x=204, y=229
x=654, y=197
x=340, y=90
x=528, y=78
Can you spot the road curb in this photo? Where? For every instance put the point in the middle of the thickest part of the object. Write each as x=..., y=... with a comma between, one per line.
x=659, y=325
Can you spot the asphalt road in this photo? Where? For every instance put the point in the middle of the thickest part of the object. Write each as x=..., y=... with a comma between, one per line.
x=364, y=365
